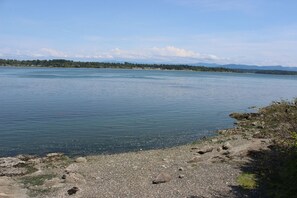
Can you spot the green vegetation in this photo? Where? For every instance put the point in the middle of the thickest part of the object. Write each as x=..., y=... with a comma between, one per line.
x=247, y=181
x=280, y=120
x=30, y=168
x=37, y=180
x=274, y=170
x=61, y=63
x=34, y=184
x=58, y=162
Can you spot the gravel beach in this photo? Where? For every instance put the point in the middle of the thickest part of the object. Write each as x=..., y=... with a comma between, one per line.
x=208, y=168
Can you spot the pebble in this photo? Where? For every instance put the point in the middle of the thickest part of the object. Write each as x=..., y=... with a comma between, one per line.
x=181, y=176
x=205, y=150
x=75, y=178
x=226, y=146
x=81, y=160
x=54, y=154
x=71, y=168
x=162, y=178
x=72, y=191
x=214, y=140
x=194, y=159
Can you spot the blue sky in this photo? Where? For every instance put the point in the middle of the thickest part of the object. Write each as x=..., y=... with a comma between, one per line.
x=262, y=32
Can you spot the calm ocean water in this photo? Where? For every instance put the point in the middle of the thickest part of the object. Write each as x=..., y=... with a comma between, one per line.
x=91, y=111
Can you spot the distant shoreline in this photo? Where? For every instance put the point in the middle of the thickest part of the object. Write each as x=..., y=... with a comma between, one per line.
x=61, y=63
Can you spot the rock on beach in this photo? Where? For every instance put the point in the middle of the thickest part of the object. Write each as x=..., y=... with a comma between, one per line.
x=162, y=178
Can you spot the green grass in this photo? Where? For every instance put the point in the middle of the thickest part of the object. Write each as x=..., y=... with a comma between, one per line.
x=63, y=161
x=31, y=169
x=37, y=180
x=247, y=181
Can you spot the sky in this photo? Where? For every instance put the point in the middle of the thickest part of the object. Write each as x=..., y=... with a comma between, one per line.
x=257, y=32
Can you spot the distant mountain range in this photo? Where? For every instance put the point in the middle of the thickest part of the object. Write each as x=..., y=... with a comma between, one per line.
x=248, y=67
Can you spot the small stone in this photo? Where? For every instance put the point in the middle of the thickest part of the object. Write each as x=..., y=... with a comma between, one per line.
x=35, y=161
x=226, y=153
x=180, y=168
x=259, y=125
x=52, y=157
x=205, y=150
x=163, y=166
x=162, y=178
x=72, y=191
x=226, y=146
x=49, y=155
x=264, y=141
x=239, y=116
x=63, y=177
x=75, y=178
x=81, y=160
x=181, y=176
x=203, y=138
x=215, y=140
x=194, y=159
x=26, y=157
x=71, y=168
x=219, y=149
x=222, y=131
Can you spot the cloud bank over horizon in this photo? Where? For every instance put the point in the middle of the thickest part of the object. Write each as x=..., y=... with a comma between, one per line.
x=168, y=54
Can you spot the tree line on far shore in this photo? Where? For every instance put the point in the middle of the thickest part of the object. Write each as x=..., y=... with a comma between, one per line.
x=61, y=63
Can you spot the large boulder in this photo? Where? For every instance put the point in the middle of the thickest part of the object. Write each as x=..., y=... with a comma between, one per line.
x=12, y=166
x=244, y=116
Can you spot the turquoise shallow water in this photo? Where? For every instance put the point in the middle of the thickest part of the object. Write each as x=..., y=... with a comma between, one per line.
x=91, y=111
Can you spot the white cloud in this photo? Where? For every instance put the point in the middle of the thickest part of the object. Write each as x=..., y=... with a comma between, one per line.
x=163, y=54
x=174, y=51
x=170, y=54
x=51, y=53
x=129, y=54
x=25, y=53
x=247, y=52
x=171, y=51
